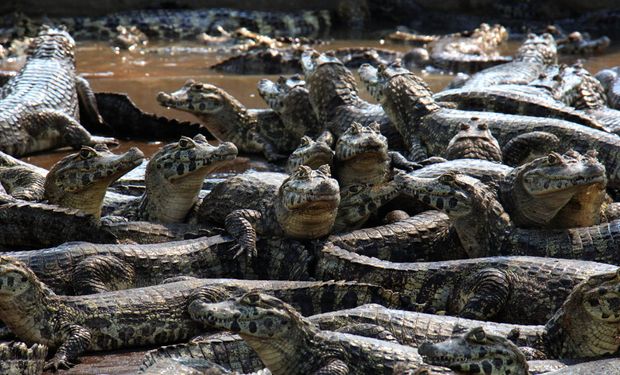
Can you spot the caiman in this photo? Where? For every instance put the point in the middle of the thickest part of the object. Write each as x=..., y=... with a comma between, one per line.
x=134, y=317
x=174, y=176
x=578, y=338
x=485, y=229
x=18, y=358
x=409, y=103
x=290, y=99
x=80, y=180
x=467, y=51
x=609, y=80
x=575, y=86
x=310, y=153
x=251, y=130
x=535, y=53
x=40, y=105
x=481, y=288
x=302, y=205
x=21, y=180
x=335, y=98
x=577, y=43
x=474, y=142
x=364, y=170
x=289, y=344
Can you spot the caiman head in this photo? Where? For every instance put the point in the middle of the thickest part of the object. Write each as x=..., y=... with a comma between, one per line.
x=22, y=297
x=290, y=99
x=541, y=49
x=221, y=113
x=52, y=42
x=175, y=174
x=310, y=153
x=329, y=83
x=557, y=191
x=479, y=218
x=404, y=96
x=362, y=155
x=271, y=327
x=476, y=352
x=474, y=141
x=588, y=323
x=307, y=203
x=80, y=180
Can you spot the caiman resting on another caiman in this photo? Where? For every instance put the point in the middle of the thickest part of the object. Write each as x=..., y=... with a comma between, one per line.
x=39, y=107
x=336, y=102
x=408, y=101
x=157, y=314
x=290, y=344
x=174, y=176
x=251, y=130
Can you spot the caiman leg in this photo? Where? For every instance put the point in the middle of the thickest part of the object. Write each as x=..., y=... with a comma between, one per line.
x=397, y=160
x=269, y=150
x=76, y=340
x=102, y=273
x=241, y=224
x=484, y=294
x=88, y=102
x=335, y=367
x=417, y=151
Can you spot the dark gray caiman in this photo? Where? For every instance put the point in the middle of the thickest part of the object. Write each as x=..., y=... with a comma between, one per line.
x=481, y=288
x=610, y=82
x=409, y=103
x=39, y=107
x=137, y=317
x=289, y=344
x=20, y=179
x=335, y=98
x=310, y=153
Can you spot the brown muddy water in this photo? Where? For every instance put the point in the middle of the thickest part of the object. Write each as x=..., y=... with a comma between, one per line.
x=142, y=76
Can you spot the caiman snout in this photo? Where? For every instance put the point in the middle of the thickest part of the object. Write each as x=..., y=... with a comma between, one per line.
x=162, y=97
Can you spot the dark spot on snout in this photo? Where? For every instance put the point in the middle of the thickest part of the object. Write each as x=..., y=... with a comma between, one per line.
x=234, y=327
x=453, y=202
x=253, y=327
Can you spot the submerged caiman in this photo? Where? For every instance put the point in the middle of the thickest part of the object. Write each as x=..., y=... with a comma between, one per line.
x=39, y=107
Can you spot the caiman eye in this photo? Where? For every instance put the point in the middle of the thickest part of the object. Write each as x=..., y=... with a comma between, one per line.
x=251, y=298
x=186, y=142
x=87, y=153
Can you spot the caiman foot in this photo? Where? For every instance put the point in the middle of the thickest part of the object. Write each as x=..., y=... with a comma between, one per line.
x=58, y=363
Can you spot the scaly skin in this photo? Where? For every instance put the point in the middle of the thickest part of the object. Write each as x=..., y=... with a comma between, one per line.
x=34, y=118
x=477, y=352
x=290, y=99
x=225, y=350
x=17, y=358
x=576, y=87
x=527, y=100
x=529, y=61
x=335, y=99
x=474, y=143
x=80, y=180
x=251, y=130
x=289, y=344
x=310, y=153
x=72, y=325
x=302, y=205
x=174, y=177
x=416, y=238
x=557, y=191
x=485, y=229
x=482, y=288
x=20, y=179
x=28, y=225
x=408, y=101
